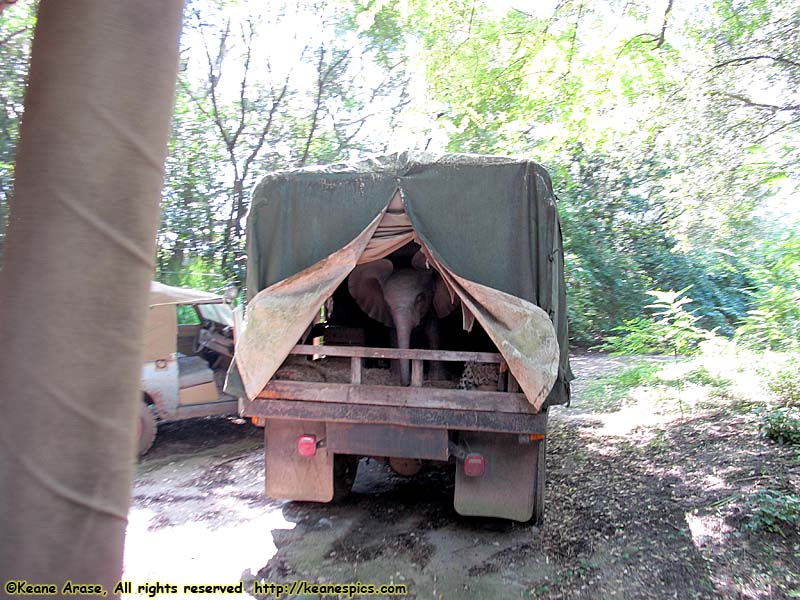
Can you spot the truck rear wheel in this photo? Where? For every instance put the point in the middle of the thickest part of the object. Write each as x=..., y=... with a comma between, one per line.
x=145, y=428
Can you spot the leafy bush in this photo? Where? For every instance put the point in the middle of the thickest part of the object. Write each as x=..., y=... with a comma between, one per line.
x=774, y=510
x=671, y=328
x=786, y=385
x=781, y=424
x=702, y=376
x=637, y=336
x=774, y=320
x=683, y=335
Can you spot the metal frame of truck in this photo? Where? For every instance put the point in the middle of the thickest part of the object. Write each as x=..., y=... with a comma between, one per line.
x=498, y=429
x=489, y=228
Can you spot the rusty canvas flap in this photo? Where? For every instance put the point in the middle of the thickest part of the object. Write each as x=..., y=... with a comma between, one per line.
x=522, y=332
x=393, y=232
x=278, y=316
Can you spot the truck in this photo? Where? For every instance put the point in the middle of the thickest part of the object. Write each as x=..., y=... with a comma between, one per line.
x=410, y=308
x=184, y=363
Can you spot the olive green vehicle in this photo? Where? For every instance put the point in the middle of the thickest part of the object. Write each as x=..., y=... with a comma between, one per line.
x=410, y=308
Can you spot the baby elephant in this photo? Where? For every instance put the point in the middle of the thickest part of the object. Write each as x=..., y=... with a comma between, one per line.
x=399, y=298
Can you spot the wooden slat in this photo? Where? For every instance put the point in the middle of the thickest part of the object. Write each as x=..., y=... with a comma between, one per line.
x=513, y=385
x=395, y=353
x=355, y=370
x=464, y=420
x=501, y=380
x=388, y=395
x=416, y=373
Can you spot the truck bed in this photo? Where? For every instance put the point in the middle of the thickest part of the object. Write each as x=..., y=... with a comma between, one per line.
x=332, y=393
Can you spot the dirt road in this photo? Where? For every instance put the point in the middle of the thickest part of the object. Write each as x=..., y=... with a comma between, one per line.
x=643, y=501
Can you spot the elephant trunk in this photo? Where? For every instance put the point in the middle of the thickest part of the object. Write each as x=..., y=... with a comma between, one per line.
x=403, y=324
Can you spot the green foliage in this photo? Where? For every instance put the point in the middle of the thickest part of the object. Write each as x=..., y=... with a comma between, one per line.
x=781, y=425
x=187, y=315
x=671, y=328
x=702, y=376
x=785, y=384
x=16, y=32
x=637, y=336
x=609, y=392
x=774, y=511
x=682, y=333
x=774, y=320
x=197, y=274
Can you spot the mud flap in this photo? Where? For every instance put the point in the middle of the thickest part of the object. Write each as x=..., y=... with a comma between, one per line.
x=290, y=476
x=512, y=486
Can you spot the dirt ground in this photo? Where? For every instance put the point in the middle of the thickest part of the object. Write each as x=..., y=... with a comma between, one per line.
x=646, y=498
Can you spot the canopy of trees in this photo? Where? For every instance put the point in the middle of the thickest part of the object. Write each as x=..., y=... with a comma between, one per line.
x=671, y=131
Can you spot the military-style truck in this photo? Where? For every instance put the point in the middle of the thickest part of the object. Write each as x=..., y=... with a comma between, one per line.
x=410, y=307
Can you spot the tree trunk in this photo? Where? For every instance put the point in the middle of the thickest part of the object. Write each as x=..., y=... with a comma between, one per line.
x=74, y=287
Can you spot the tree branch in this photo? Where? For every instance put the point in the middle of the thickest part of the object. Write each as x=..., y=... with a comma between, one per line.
x=322, y=81
x=651, y=38
x=13, y=34
x=664, y=24
x=770, y=107
x=243, y=86
x=748, y=59
x=214, y=75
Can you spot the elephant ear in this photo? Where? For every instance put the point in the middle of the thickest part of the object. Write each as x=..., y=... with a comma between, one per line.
x=366, y=287
x=443, y=301
x=419, y=262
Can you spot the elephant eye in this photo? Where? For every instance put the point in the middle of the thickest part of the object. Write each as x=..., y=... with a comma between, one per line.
x=420, y=298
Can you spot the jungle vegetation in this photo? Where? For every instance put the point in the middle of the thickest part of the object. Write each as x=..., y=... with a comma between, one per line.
x=671, y=131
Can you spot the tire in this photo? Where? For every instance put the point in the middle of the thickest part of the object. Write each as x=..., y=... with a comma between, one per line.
x=145, y=428
x=345, y=468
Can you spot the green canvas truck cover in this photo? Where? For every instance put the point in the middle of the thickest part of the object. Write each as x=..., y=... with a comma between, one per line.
x=488, y=224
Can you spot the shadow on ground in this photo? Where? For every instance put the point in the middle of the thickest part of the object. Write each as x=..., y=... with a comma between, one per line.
x=657, y=512
x=656, y=509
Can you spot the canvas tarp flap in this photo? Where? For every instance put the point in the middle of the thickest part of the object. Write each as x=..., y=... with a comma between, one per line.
x=278, y=315
x=490, y=223
x=522, y=332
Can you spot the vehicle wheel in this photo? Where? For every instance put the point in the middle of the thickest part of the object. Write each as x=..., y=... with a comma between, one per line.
x=145, y=428
x=345, y=468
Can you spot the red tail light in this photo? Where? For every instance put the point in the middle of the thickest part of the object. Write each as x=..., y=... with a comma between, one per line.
x=474, y=465
x=307, y=445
